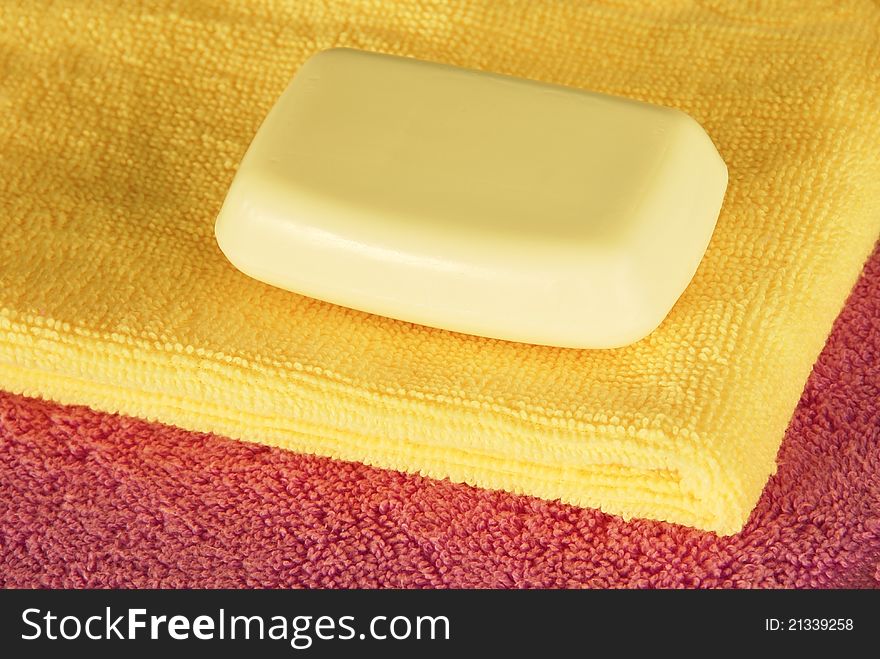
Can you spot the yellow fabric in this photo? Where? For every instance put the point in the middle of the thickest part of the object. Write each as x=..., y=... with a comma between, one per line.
x=121, y=127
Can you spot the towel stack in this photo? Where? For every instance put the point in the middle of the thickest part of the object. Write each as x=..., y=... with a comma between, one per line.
x=121, y=129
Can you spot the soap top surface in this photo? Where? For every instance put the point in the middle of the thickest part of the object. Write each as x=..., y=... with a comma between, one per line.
x=474, y=202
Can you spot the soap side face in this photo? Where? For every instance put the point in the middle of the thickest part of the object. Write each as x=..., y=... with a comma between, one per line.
x=474, y=202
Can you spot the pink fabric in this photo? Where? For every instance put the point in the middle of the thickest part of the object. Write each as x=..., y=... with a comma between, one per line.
x=90, y=499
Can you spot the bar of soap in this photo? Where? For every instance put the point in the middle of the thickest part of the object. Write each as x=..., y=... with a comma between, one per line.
x=474, y=202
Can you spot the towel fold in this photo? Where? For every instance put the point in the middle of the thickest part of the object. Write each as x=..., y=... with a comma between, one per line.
x=120, y=132
x=112, y=501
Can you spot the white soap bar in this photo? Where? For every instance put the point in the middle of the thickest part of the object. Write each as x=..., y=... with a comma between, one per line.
x=474, y=202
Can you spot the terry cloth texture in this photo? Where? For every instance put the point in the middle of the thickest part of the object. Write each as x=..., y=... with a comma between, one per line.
x=93, y=499
x=120, y=133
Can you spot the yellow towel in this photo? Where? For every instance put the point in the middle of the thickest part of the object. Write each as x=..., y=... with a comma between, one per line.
x=120, y=130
